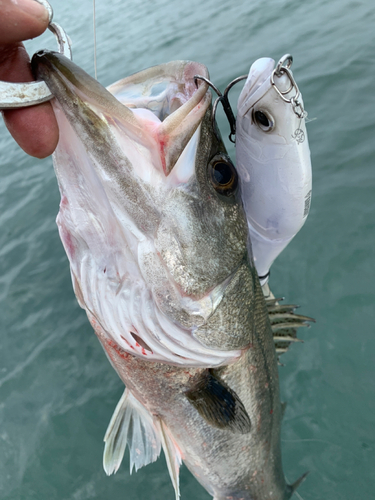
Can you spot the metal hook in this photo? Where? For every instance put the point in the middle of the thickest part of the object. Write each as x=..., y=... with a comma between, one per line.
x=19, y=95
x=213, y=122
x=226, y=100
x=199, y=77
x=223, y=98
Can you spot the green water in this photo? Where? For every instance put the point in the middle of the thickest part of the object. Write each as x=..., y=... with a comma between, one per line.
x=57, y=389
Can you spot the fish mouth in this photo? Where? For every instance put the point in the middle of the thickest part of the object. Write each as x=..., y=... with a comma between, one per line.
x=172, y=102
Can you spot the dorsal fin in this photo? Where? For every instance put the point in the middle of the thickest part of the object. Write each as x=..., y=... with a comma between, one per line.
x=284, y=321
x=131, y=424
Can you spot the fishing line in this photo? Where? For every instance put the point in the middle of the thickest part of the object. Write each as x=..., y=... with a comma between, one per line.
x=298, y=495
x=94, y=22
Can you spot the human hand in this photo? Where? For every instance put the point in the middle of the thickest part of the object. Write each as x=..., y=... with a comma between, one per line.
x=34, y=128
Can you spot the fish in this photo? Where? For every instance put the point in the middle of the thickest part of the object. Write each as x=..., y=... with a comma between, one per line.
x=153, y=226
x=273, y=159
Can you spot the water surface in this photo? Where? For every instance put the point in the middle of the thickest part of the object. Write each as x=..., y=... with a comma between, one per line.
x=57, y=389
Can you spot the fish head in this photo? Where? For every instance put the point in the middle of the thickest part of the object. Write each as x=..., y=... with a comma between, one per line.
x=150, y=216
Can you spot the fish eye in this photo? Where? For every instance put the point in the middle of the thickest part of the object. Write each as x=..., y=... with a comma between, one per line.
x=264, y=120
x=223, y=175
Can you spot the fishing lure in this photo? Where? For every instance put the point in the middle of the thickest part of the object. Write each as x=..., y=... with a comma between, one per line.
x=273, y=156
x=273, y=159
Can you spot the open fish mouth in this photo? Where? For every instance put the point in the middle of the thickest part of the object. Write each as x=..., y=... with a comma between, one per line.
x=162, y=106
x=126, y=164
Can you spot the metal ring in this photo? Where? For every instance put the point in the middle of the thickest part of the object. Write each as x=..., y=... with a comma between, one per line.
x=288, y=59
x=280, y=92
x=293, y=85
x=282, y=72
x=20, y=95
x=292, y=82
x=63, y=40
x=48, y=8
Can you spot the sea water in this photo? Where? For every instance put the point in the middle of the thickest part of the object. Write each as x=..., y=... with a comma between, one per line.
x=57, y=389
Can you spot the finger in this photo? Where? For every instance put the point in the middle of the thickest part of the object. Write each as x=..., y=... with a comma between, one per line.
x=21, y=20
x=34, y=128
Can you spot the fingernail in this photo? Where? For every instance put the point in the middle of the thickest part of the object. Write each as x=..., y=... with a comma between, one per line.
x=40, y=9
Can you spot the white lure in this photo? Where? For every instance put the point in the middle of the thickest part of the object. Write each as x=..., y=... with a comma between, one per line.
x=273, y=160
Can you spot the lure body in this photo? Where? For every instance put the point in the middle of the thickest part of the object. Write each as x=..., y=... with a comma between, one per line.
x=273, y=162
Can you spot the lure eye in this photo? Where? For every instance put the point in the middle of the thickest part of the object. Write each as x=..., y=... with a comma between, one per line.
x=223, y=175
x=264, y=120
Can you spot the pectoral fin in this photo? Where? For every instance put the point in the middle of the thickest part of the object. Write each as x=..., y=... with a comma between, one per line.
x=219, y=405
x=132, y=425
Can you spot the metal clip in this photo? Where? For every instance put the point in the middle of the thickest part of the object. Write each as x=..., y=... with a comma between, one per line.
x=280, y=70
x=19, y=95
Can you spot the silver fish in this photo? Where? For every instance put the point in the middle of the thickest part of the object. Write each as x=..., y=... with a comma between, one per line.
x=154, y=229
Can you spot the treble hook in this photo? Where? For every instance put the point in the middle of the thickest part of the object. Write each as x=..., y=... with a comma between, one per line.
x=223, y=98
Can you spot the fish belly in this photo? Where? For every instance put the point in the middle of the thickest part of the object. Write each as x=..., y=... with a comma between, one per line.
x=229, y=465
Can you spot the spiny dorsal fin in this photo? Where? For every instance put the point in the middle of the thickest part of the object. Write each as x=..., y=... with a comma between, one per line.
x=284, y=321
x=219, y=405
x=172, y=456
x=131, y=424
